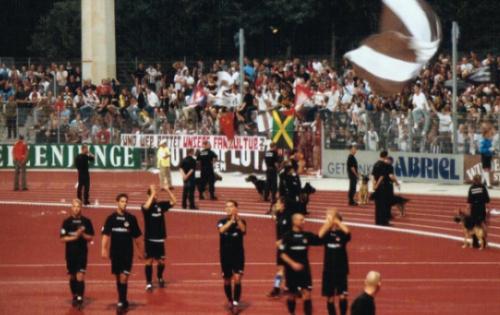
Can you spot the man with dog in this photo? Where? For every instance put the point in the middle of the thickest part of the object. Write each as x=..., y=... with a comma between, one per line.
x=294, y=249
x=335, y=235
x=290, y=188
x=478, y=197
x=272, y=160
x=352, y=171
x=381, y=190
x=206, y=158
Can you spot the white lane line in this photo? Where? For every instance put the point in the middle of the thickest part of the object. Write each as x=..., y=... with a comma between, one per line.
x=262, y=216
x=202, y=264
x=254, y=281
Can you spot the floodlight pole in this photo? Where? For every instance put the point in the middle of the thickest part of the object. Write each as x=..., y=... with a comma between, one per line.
x=241, y=42
x=454, y=40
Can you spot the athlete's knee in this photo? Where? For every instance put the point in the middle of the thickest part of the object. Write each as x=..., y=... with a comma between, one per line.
x=80, y=276
x=123, y=278
x=306, y=294
x=148, y=261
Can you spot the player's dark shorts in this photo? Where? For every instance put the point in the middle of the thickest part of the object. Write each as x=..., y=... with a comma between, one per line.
x=334, y=284
x=279, y=261
x=76, y=263
x=486, y=161
x=297, y=281
x=231, y=265
x=121, y=265
x=155, y=250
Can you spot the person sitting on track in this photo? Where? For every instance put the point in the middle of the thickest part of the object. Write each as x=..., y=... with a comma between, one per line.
x=232, y=229
x=294, y=248
x=335, y=236
x=76, y=232
x=155, y=234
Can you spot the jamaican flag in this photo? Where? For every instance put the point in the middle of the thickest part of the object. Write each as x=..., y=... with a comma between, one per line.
x=283, y=125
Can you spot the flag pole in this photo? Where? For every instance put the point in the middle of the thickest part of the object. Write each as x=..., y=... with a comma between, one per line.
x=241, y=41
x=454, y=40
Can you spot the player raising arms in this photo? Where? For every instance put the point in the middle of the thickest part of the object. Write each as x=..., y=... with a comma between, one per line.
x=119, y=235
x=155, y=234
x=335, y=235
x=232, y=229
x=76, y=232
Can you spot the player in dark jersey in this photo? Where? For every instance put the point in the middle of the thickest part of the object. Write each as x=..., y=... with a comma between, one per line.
x=294, y=248
x=364, y=304
x=335, y=236
x=272, y=164
x=119, y=235
x=283, y=225
x=155, y=234
x=207, y=157
x=232, y=229
x=76, y=232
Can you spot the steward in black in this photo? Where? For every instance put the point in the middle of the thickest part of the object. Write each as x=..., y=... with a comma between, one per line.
x=272, y=160
x=363, y=305
x=207, y=157
x=381, y=193
x=290, y=187
x=82, y=165
x=352, y=171
x=478, y=197
x=188, y=169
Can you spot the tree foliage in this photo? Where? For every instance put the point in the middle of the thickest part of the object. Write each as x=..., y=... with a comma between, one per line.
x=162, y=29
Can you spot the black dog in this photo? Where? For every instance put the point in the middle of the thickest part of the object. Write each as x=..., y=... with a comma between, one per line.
x=198, y=184
x=305, y=192
x=260, y=185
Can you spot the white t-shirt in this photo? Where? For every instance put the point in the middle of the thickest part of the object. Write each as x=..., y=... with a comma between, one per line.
x=419, y=101
x=445, y=122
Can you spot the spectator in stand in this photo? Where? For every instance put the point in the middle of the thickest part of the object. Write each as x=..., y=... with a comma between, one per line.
x=420, y=110
x=20, y=154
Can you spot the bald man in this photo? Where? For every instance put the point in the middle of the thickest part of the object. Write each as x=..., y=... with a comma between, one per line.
x=365, y=303
x=294, y=249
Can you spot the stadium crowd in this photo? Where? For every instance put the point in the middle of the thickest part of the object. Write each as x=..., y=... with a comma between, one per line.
x=192, y=99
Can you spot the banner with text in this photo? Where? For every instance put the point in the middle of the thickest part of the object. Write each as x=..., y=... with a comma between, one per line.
x=239, y=143
x=63, y=156
x=410, y=167
x=243, y=154
x=473, y=166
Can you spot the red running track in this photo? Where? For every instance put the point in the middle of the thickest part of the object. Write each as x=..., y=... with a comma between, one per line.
x=421, y=275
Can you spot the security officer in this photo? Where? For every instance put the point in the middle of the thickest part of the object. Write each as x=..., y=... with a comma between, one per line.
x=82, y=161
x=206, y=158
x=290, y=187
x=380, y=188
x=352, y=171
x=272, y=164
x=187, y=169
x=478, y=198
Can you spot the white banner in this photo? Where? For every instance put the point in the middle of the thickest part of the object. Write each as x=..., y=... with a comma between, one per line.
x=239, y=143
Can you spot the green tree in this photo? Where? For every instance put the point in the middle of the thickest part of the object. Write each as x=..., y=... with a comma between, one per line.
x=58, y=34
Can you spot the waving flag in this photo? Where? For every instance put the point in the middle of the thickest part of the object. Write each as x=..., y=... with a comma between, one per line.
x=283, y=127
x=302, y=94
x=226, y=123
x=198, y=96
x=409, y=36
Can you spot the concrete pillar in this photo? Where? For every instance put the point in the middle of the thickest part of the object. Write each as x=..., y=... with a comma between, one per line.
x=98, y=40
